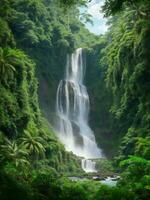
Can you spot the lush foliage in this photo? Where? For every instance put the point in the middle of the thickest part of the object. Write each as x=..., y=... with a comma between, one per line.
x=35, y=36
x=31, y=32
x=126, y=56
x=128, y=76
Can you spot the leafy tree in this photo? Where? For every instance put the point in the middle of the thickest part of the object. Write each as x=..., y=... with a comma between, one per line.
x=143, y=147
x=70, y=3
x=111, y=7
x=136, y=176
x=113, y=193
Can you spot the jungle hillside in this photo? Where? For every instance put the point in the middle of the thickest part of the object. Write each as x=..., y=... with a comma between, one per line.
x=74, y=105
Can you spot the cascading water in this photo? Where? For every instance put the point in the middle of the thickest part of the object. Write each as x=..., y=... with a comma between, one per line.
x=72, y=108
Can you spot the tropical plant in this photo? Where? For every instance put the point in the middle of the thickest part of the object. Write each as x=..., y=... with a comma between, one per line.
x=14, y=153
x=6, y=67
x=34, y=144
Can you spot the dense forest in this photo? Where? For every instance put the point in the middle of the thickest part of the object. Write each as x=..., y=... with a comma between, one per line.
x=35, y=38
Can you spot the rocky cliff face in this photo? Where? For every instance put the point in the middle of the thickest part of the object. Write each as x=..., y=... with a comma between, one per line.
x=101, y=120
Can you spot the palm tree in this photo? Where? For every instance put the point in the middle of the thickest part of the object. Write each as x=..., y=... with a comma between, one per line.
x=34, y=144
x=6, y=66
x=10, y=151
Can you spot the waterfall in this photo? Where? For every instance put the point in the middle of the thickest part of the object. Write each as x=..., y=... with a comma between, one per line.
x=72, y=109
x=88, y=165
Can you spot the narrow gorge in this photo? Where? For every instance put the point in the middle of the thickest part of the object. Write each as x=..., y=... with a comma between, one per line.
x=74, y=100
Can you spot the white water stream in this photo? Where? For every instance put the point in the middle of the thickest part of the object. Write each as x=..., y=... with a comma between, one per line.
x=72, y=108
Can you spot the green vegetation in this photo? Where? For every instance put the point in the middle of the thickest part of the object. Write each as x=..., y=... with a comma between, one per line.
x=128, y=76
x=35, y=37
x=31, y=32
